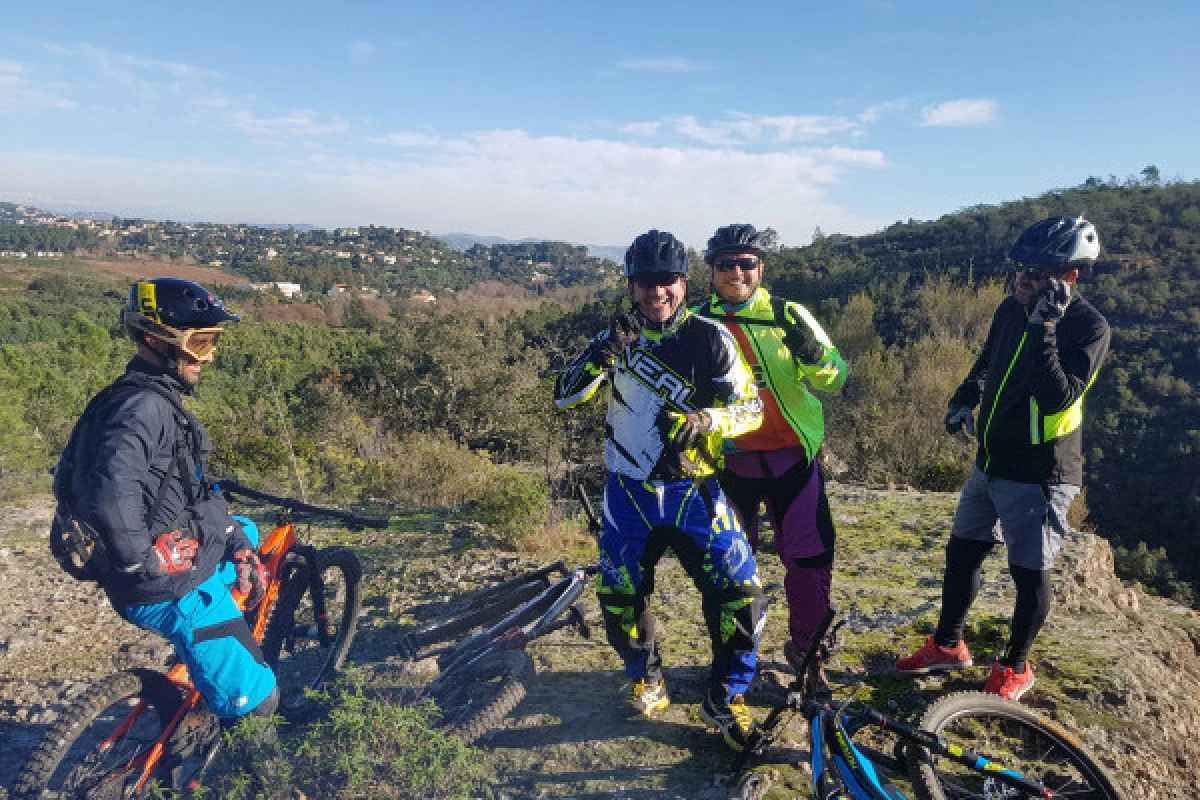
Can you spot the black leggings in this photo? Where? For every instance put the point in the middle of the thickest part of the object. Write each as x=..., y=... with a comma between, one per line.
x=964, y=558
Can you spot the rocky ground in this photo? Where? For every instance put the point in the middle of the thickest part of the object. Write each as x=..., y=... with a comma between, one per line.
x=1117, y=667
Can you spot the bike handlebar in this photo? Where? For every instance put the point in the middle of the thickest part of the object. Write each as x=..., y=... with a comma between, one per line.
x=353, y=521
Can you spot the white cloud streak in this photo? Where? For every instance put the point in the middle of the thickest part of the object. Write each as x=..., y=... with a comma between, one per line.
x=959, y=113
x=668, y=64
x=737, y=129
x=296, y=124
x=138, y=72
x=21, y=93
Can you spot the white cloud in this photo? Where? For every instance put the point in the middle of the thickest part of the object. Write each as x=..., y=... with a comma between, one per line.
x=217, y=99
x=959, y=113
x=515, y=179
x=361, y=51
x=296, y=124
x=745, y=130
x=641, y=128
x=21, y=93
x=407, y=140
x=132, y=70
x=873, y=113
x=668, y=64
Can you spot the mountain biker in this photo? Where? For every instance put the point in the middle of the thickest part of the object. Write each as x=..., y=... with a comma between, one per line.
x=678, y=386
x=141, y=487
x=1043, y=350
x=788, y=352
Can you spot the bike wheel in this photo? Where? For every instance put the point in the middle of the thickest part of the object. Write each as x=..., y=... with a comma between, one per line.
x=291, y=643
x=1014, y=737
x=478, y=698
x=79, y=757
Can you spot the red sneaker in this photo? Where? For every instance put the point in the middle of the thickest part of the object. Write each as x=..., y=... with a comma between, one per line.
x=1007, y=683
x=933, y=657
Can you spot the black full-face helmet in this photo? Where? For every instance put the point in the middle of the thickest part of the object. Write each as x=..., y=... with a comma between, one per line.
x=737, y=238
x=656, y=252
x=179, y=312
x=1057, y=244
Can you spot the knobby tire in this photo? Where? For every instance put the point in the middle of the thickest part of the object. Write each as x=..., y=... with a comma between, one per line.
x=67, y=763
x=1012, y=735
x=481, y=697
x=291, y=645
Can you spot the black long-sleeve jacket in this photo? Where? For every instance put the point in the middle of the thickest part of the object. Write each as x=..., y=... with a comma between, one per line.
x=127, y=451
x=1032, y=380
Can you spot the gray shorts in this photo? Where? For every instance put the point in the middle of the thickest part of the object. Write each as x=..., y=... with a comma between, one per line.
x=1030, y=518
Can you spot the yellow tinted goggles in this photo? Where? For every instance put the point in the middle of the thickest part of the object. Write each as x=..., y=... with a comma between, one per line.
x=199, y=343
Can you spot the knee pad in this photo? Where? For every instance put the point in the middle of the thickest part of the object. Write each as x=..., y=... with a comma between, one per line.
x=743, y=613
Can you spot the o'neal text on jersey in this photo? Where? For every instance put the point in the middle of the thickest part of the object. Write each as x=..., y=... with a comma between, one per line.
x=659, y=378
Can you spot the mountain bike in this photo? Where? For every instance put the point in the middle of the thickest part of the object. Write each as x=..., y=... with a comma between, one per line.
x=481, y=676
x=126, y=736
x=967, y=745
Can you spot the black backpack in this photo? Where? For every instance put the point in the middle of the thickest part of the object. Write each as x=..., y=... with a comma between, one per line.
x=77, y=546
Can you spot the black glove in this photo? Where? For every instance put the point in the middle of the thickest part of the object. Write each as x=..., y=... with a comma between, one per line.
x=802, y=342
x=1052, y=303
x=960, y=421
x=623, y=330
x=680, y=433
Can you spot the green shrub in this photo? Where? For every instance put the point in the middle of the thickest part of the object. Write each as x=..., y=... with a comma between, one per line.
x=514, y=502
x=362, y=747
x=370, y=748
x=427, y=470
x=943, y=477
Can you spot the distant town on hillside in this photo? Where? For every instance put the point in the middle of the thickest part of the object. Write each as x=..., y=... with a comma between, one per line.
x=312, y=260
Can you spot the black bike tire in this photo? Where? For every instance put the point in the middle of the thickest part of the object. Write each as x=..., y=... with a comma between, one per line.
x=960, y=705
x=283, y=622
x=48, y=756
x=492, y=689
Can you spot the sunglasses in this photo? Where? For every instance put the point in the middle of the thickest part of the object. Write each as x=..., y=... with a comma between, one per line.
x=744, y=263
x=656, y=279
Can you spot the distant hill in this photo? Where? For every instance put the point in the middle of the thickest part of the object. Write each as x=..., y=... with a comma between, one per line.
x=1142, y=427
x=381, y=259
x=465, y=241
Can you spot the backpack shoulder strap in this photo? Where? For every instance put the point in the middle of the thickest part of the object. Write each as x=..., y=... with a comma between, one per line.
x=191, y=424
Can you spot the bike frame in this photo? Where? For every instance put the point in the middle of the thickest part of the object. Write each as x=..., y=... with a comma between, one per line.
x=843, y=770
x=519, y=621
x=274, y=553
x=552, y=609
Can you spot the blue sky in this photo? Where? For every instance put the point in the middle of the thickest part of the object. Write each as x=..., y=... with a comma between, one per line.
x=588, y=122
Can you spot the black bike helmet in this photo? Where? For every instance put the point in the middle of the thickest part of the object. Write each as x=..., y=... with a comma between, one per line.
x=175, y=311
x=1057, y=242
x=734, y=238
x=656, y=251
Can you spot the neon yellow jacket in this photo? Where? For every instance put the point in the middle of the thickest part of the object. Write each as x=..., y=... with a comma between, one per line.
x=793, y=416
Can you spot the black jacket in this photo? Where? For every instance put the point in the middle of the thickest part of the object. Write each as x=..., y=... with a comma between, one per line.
x=127, y=451
x=1032, y=379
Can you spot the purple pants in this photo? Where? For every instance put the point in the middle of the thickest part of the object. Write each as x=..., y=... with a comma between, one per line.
x=794, y=493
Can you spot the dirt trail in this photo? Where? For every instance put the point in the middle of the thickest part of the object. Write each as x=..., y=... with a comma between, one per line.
x=572, y=736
